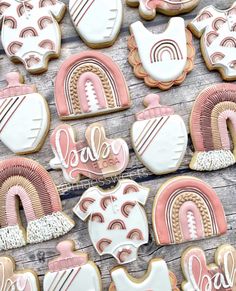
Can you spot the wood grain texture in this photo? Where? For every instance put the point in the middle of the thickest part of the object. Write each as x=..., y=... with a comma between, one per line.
x=118, y=125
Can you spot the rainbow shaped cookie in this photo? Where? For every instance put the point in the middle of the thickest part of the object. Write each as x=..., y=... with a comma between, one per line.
x=89, y=84
x=30, y=182
x=213, y=127
x=187, y=209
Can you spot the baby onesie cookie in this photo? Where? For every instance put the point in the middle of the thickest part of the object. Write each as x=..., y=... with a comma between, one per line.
x=88, y=84
x=187, y=209
x=97, y=158
x=217, y=30
x=117, y=222
x=163, y=59
x=157, y=278
x=213, y=128
x=72, y=271
x=24, y=116
x=25, y=180
x=159, y=137
x=149, y=8
x=12, y=280
x=199, y=276
x=98, y=22
x=30, y=31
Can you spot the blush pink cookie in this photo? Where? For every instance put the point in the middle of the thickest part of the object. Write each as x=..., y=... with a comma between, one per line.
x=10, y=279
x=24, y=116
x=97, y=158
x=221, y=275
x=72, y=271
x=187, y=209
x=213, y=127
x=88, y=84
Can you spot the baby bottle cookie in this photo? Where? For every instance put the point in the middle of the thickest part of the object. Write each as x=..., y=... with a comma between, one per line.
x=30, y=31
x=72, y=271
x=159, y=137
x=24, y=116
x=117, y=222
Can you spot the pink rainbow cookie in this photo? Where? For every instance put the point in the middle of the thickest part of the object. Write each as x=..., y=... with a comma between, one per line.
x=187, y=209
x=159, y=137
x=219, y=276
x=30, y=31
x=24, y=116
x=88, y=84
x=11, y=280
x=213, y=126
x=117, y=222
x=30, y=182
x=97, y=158
x=72, y=271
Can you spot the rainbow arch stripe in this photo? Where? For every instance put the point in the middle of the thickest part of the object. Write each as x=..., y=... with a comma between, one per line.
x=26, y=180
x=213, y=127
x=165, y=46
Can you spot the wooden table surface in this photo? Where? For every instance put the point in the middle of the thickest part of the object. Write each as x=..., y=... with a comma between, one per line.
x=118, y=125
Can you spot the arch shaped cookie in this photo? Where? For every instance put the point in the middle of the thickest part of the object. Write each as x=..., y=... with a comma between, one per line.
x=26, y=180
x=187, y=209
x=88, y=84
x=213, y=127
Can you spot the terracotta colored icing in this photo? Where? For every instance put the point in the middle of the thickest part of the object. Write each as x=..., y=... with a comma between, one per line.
x=105, y=92
x=97, y=158
x=98, y=22
x=217, y=29
x=148, y=8
x=70, y=270
x=159, y=137
x=27, y=180
x=24, y=280
x=163, y=59
x=212, y=143
x=117, y=222
x=202, y=277
x=30, y=32
x=24, y=111
x=177, y=196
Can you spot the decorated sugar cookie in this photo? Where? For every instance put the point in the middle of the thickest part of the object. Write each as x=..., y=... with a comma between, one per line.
x=159, y=137
x=187, y=209
x=24, y=116
x=90, y=83
x=30, y=31
x=72, y=271
x=213, y=127
x=26, y=180
x=98, y=22
x=117, y=222
x=217, y=30
x=220, y=275
x=12, y=280
x=163, y=59
x=149, y=8
x=97, y=158
x=157, y=278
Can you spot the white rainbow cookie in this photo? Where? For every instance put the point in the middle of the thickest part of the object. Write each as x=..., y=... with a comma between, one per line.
x=199, y=276
x=24, y=116
x=72, y=271
x=149, y=8
x=30, y=31
x=217, y=30
x=159, y=137
x=11, y=280
x=157, y=278
x=117, y=222
x=98, y=22
x=162, y=59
